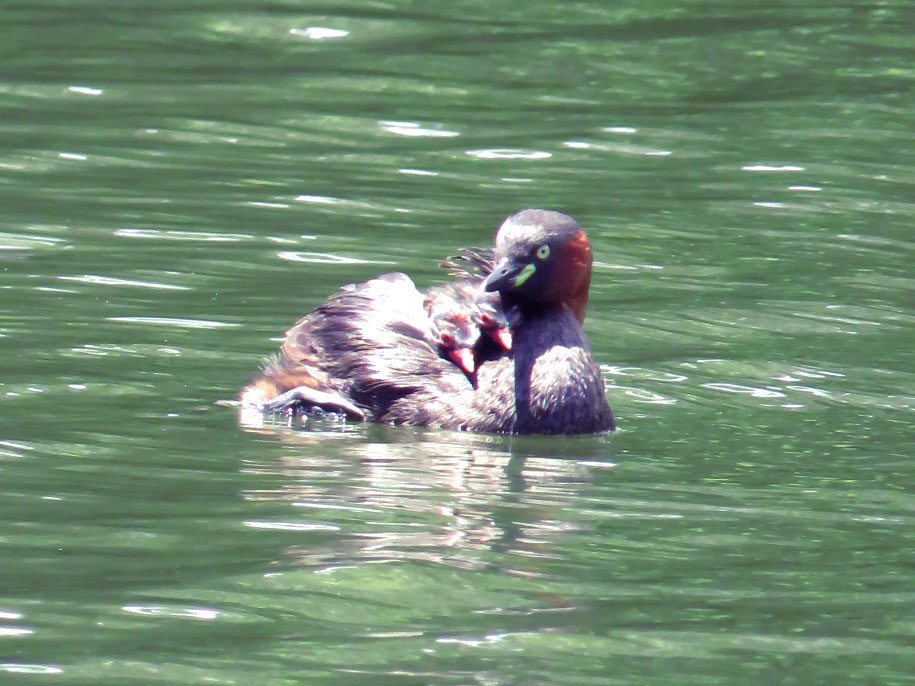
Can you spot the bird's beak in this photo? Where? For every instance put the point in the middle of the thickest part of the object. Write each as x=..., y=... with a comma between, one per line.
x=507, y=274
x=463, y=358
x=503, y=337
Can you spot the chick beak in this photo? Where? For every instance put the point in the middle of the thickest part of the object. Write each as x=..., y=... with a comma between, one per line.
x=463, y=358
x=503, y=337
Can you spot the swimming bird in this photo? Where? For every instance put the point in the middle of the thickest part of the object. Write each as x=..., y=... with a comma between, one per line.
x=369, y=351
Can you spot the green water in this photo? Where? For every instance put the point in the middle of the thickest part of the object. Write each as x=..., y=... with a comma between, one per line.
x=180, y=181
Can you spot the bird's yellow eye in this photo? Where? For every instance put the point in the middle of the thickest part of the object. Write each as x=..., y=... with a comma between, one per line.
x=543, y=252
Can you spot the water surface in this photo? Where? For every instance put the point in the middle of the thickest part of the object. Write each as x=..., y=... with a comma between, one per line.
x=180, y=182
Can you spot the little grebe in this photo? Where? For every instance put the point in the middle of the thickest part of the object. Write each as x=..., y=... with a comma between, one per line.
x=451, y=309
x=370, y=351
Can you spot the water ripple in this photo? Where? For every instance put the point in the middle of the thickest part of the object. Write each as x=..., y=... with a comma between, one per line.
x=114, y=281
x=319, y=33
x=20, y=241
x=509, y=154
x=325, y=258
x=22, y=668
x=175, y=322
x=179, y=612
x=175, y=235
x=414, y=130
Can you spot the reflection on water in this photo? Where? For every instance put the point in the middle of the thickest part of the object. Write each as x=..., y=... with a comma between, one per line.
x=457, y=499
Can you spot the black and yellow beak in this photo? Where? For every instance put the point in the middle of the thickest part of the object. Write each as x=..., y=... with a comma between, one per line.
x=507, y=274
